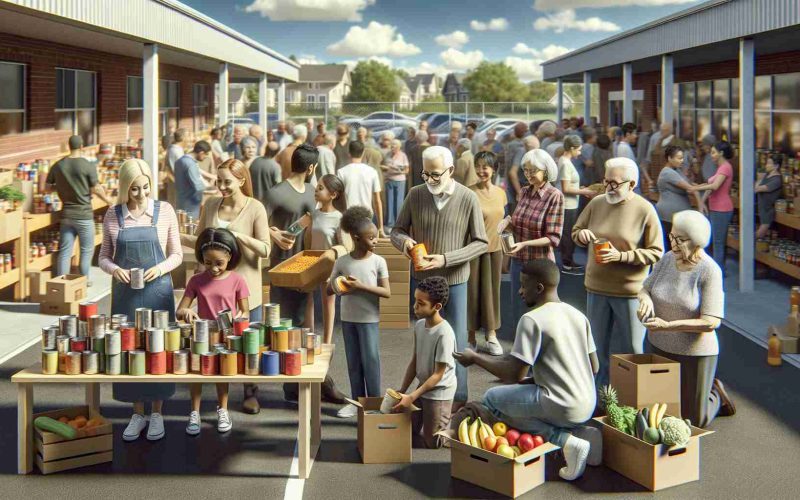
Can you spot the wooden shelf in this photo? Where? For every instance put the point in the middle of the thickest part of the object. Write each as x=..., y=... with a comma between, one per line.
x=788, y=220
x=9, y=278
x=770, y=261
x=41, y=263
x=36, y=222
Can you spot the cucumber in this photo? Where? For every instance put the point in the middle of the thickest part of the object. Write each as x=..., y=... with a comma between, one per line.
x=48, y=424
x=652, y=435
x=641, y=425
x=646, y=414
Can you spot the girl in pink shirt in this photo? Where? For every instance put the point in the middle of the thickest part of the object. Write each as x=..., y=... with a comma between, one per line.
x=216, y=289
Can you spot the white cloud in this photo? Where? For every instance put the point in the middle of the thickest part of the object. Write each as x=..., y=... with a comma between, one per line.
x=456, y=39
x=375, y=40
x=310, y=10
x=566, y=20
x=426, y=68
x=456, y=60
x=555, y=5
x=351, y=63
x=546, y=53
x=496, y=24
x=309, y=59
x=531, y=68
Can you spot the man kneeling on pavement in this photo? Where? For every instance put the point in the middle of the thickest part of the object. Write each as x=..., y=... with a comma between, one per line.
x=549, y=375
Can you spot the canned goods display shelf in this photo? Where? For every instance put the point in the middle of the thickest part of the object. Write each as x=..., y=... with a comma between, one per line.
x=769, y=260
x=9, y=278
x=789, y=220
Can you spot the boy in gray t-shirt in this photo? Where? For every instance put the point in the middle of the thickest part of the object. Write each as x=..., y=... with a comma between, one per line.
x=432, y=363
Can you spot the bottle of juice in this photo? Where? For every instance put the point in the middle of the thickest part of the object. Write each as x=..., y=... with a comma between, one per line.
x=774, y=350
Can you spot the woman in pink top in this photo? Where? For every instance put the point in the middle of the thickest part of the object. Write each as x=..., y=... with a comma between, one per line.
x=395, y=168
x=141, y=233
x=720, y=205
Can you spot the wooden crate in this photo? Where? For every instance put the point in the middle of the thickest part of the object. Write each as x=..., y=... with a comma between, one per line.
x=92, y=446
x=397, y=299
x=397, y=262
x=307, y=279
x=399, y=276
x=10, y=225
x=394, y=325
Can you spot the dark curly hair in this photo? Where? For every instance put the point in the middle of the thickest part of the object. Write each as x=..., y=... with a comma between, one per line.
x=670, y=151
x=218, y=238
x=356, y=219
x=437, y=289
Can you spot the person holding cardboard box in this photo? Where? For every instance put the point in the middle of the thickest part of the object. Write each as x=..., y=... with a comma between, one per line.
x=432, y=363
x=682, y=303
x=623, y=234
x=554, y=343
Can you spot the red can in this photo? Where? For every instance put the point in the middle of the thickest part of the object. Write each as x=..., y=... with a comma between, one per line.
x=127, y=333
x=77, y=344
x=156, y=363
x=291, y=362
x=209, y=363
x=240, y=325
x=86, y=309
x=170, y=363
x=240, y=363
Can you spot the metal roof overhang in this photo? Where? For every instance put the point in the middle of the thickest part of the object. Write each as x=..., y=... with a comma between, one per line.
x=704, y=34
x=184, y=36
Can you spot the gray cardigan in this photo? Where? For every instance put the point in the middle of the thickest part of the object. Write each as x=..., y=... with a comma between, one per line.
x=457, y=231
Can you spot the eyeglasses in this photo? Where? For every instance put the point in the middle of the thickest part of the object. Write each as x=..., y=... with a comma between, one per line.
x=675, y=239
x=613, y=184
x=436, y=176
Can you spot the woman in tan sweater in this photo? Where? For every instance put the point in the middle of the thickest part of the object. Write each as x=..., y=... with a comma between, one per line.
x=237, y=211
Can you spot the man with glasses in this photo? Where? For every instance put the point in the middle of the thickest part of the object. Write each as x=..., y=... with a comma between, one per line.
x=625, y=231
x=446, y=217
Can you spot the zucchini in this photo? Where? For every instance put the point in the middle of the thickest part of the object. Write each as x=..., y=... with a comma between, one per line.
x=48, y=424
x=641, y=425
x=646, y=414
x=652, y=436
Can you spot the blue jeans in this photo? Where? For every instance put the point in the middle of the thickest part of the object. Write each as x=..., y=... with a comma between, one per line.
x=395, y=192
x=719, y=235
x=615, y=327
x=84, y=230
x=455, y=312
x=518, y=406
x=362, y=349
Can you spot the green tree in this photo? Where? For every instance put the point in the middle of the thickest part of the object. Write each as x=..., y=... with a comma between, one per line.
x=541, y=91
x=373, y=81
x=402, y=73
x=494, y=82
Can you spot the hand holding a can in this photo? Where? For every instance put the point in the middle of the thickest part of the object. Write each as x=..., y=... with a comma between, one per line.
x=283, y=239
x=433, y=261
x=151, y=274
x=609, y=254
x=187, y=315
x=503, y=224
x=122, y=275
x=410, y=243
x=586, y=236
x=405, y=404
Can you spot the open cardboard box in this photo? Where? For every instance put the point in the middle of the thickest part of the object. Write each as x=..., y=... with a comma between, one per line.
x=382, y=438
x=91, y=446
x=642, y=380
x=508, y=476
x=653, y=466
x=306, y=280
x=66, y=288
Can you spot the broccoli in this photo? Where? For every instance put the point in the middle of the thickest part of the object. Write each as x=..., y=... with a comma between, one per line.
x=675, y=431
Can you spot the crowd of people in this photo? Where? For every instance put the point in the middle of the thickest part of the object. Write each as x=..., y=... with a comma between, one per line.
x=480, y=209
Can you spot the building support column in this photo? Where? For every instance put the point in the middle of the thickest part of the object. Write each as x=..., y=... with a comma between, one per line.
x=150, y=112
x=667, y=88
x=282, y=101
x=559, y=100
x=627, y=93
x=747, y=156
x=262, y=103
x=223, y=94
x=587, y=98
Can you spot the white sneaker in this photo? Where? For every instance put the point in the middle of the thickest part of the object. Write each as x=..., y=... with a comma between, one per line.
x=193, y=427
x=595, y=439
x=576, y=451
x=348, y=411
x=135, y=428
x=224, y=423
x=156, y=429
x=492, y=347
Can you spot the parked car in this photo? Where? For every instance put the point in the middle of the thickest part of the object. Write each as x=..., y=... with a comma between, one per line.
x=271, y=117
x=383, y=123
x=423, y=116
x=400, y=133
x=499, y=124
x=386, y=115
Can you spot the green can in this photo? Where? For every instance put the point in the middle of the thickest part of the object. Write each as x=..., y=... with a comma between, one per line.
x=250, y=341
x=286, y=322
x=136, y=363
x=199, y=347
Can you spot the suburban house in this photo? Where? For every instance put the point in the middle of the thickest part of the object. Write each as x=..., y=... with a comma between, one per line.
x=423, y=86
x=238, y=100
x=319, y=84
x=568, y=101
x=406, y=98
x=453, y=89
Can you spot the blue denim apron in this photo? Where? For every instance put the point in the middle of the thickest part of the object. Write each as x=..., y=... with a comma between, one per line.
x=139, y=247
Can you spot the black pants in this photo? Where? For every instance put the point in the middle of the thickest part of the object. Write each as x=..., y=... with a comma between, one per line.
x=567, y=246
x=667, y=228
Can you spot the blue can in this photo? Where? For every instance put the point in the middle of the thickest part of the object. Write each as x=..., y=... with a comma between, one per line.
x=270, y=363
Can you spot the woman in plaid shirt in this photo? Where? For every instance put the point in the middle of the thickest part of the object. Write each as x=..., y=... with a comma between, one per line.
x=538, y=218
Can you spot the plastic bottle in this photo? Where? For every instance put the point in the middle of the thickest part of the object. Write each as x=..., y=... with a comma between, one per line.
x=774, y=350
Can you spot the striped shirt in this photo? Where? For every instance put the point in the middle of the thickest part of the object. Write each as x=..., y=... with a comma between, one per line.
x=168, y=235
x=539, y=214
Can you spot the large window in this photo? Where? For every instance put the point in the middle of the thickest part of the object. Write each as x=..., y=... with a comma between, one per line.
x=76, y=99
x=311, y=98
x=707, y=107
x=168, y=106
x=200, y=107
x=12, y=98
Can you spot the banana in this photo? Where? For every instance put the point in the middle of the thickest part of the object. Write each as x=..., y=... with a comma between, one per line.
x=482, y=434
x=463, y=431
x=489, y=430
x=653, y=415
x=661, y=411
x=473, y=432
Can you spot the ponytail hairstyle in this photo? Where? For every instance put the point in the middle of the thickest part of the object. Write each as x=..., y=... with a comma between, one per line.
x=241, y=172
x=335, y=185
x=221, y=239
x=356, y=219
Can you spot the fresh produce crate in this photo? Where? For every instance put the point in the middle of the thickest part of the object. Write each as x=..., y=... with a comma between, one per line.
x=10, y=225
x=641, y=380
x=91, y=446
x=655, y=467
x=382, y=438
x=287, y=274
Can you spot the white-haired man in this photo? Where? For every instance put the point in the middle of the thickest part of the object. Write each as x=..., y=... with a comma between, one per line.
x=465, y=164
x=446, y=217
x=327, y=158
x=284, y=158
x=624, y=229
x=451, y=141
x=234, y=148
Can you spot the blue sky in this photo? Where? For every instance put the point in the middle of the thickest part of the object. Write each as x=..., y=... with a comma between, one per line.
x=434, y=35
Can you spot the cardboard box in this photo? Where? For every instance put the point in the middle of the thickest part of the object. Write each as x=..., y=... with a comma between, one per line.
x=308, y=279
x=653, y=466
x=10, y=225
x=511, y=477
x=26, y=188
x=385, y=247
x=382, y=438
x=66, y=288
x=399, y=277
x=396, y=300
x=397, y=262
x=641, y=380
x=58, y=308
x=37, y=285
x=789, y=344
x=90, y=447
x=394, y=325
x=792, y=328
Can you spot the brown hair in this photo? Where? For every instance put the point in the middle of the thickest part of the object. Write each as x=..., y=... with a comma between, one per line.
x=241, y=172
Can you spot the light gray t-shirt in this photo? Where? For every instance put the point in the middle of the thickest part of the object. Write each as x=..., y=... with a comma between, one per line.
x=567, y=172
x=436, y=345
x=679, y=295
x=324, y=229
x=555, y=340
x=671, y=198
x=359, y=306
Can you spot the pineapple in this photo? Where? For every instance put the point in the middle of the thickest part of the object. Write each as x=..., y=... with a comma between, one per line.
x=622, y=418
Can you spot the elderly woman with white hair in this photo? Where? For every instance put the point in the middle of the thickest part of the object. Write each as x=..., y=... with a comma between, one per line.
x=681, y=303
x=623, y=235
x=395, y=169
x=249, y=150
x=537, y=221
x=141, y=232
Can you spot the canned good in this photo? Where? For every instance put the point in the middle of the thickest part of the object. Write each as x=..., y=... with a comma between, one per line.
x=599, y=245
x=417, y=253
x=507, y=241
x=137, y=278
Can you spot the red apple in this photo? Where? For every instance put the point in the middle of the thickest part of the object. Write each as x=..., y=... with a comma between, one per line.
x=500, y=440
x=490, y=443
x=525, y=443
x=512, y=435
x=538, y=441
